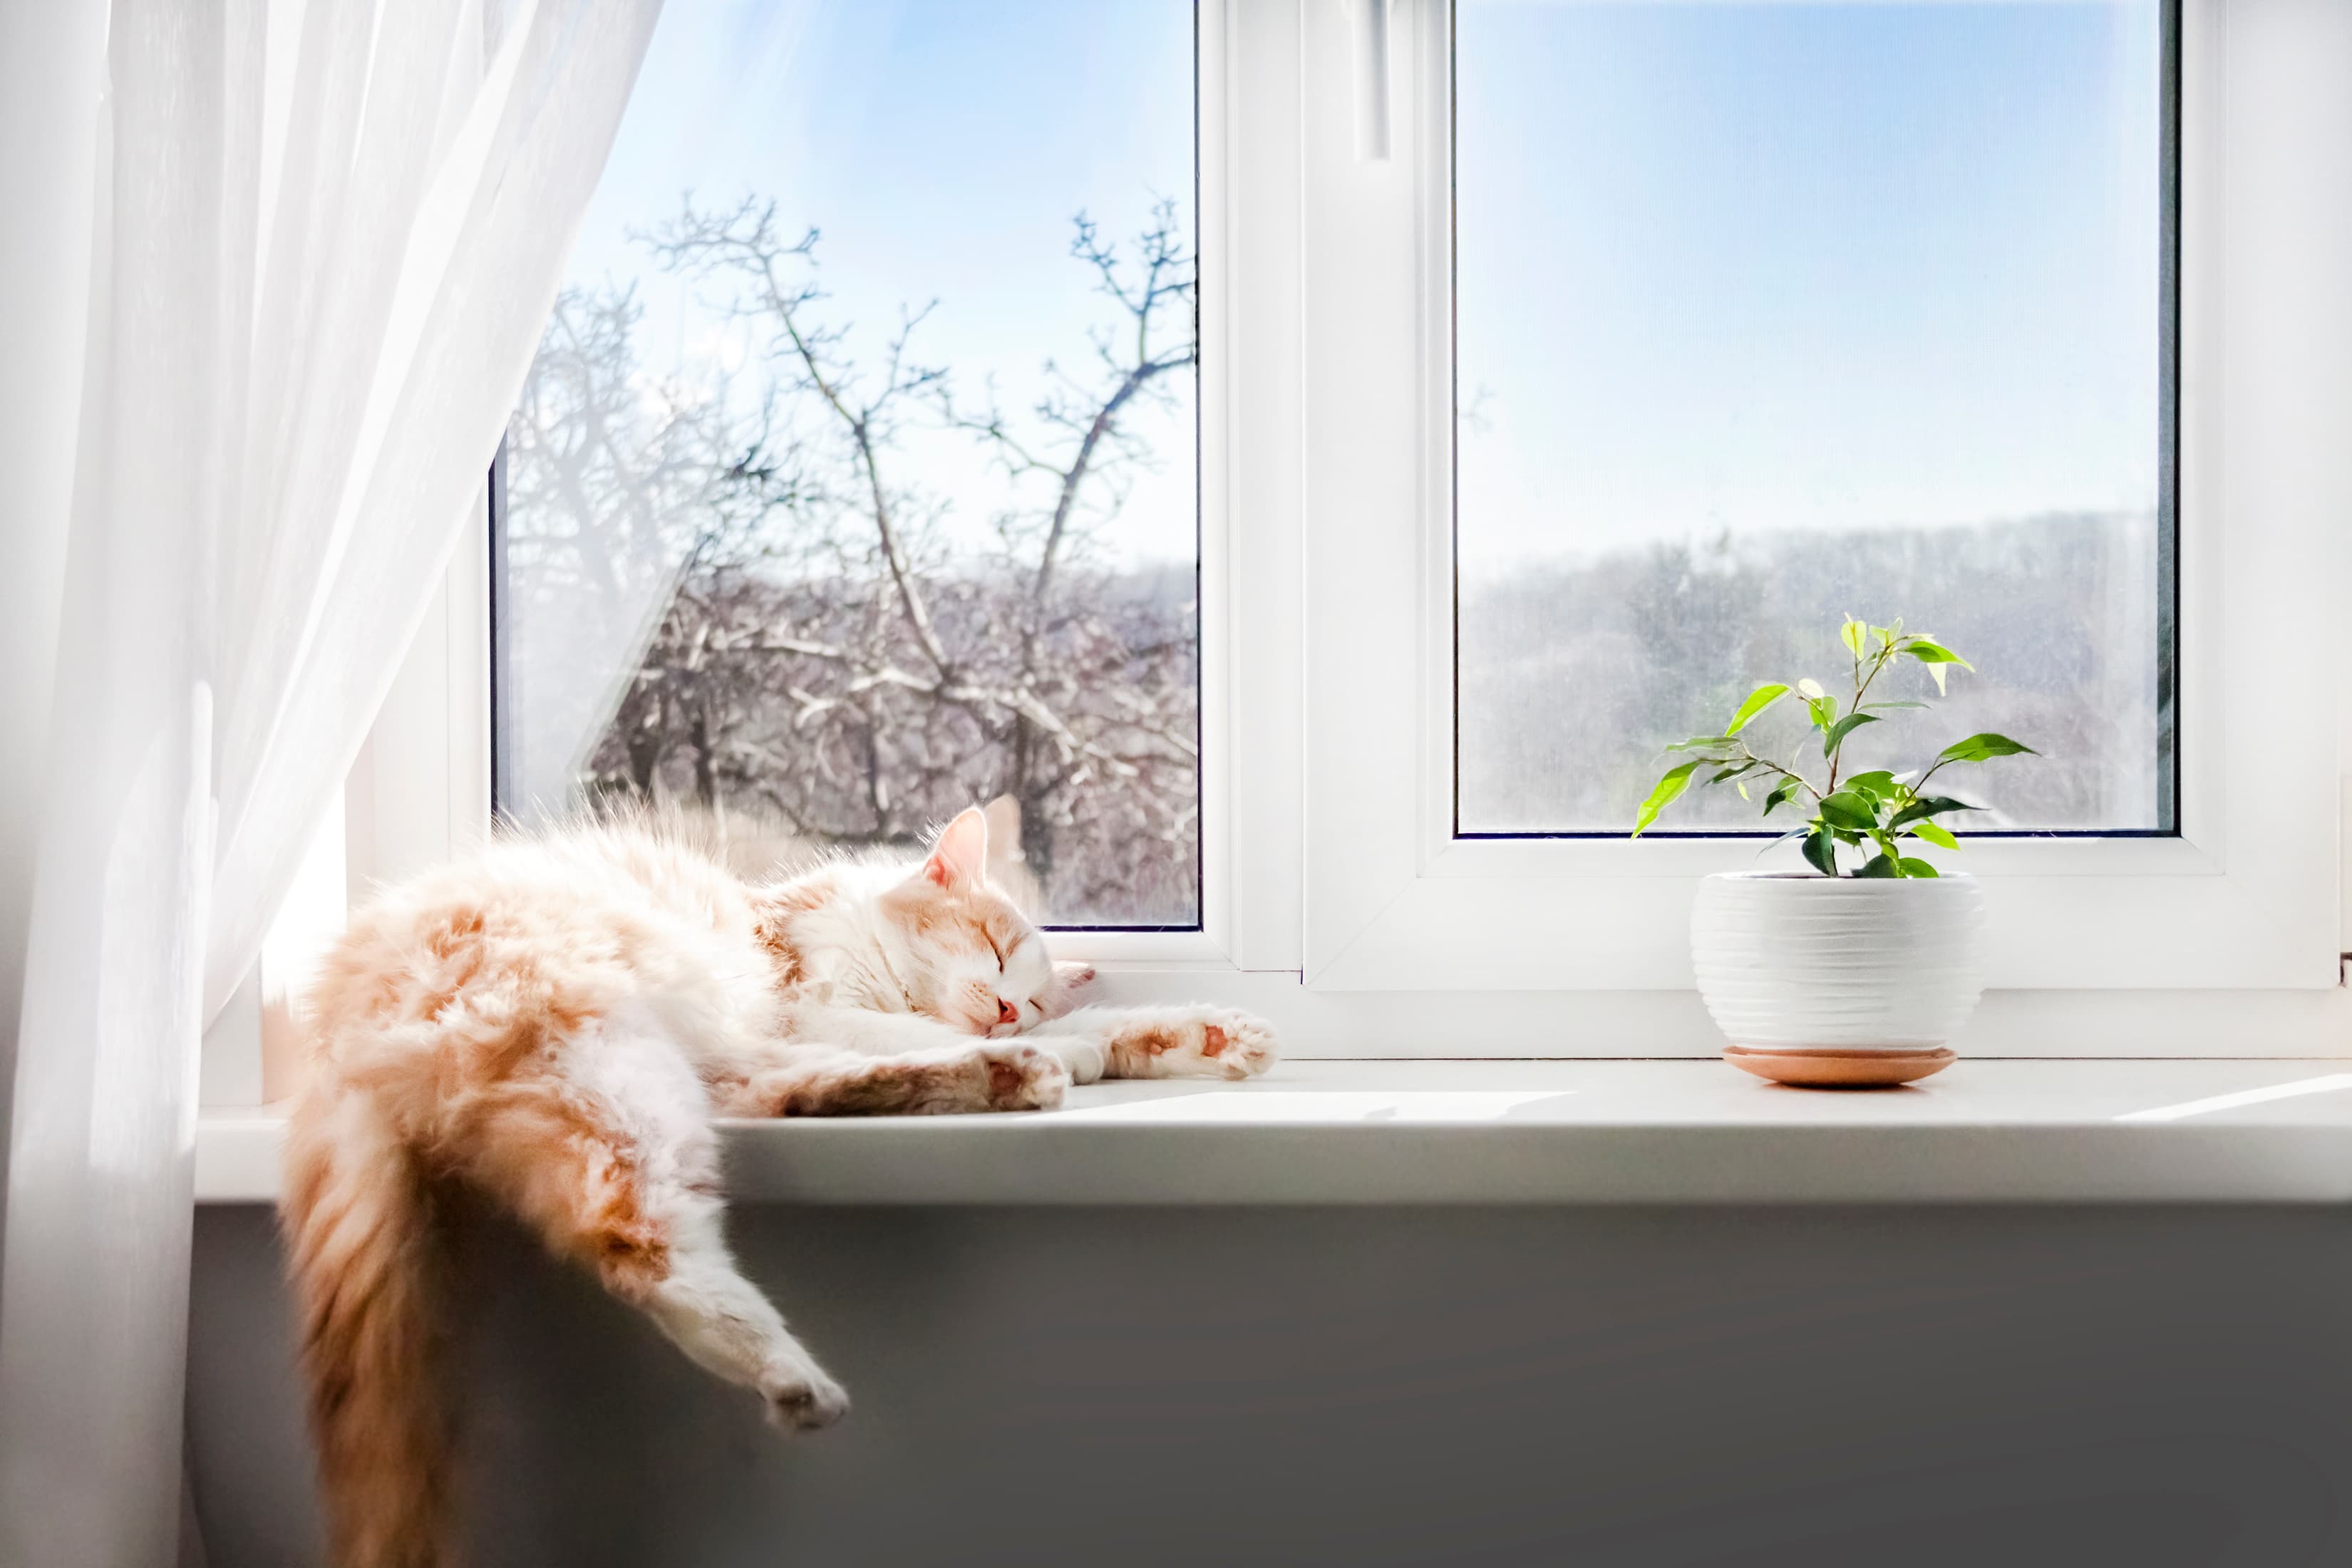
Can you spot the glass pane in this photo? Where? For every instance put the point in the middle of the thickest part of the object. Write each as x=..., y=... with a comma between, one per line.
x=855, y=482
x=1771, y=313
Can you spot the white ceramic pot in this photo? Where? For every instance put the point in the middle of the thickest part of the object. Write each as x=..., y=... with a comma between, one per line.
x=1839, y=969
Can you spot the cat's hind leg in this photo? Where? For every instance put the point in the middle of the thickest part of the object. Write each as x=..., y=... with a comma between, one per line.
x=1158, y=1042
x=609, y=1153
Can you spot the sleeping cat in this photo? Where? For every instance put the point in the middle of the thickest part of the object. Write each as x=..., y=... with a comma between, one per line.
x=556, y=1023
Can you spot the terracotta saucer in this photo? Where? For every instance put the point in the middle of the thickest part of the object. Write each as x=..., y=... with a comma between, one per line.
x=1826, y=1068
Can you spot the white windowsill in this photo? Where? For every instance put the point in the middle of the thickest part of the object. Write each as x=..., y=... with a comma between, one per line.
x=1551, y=1132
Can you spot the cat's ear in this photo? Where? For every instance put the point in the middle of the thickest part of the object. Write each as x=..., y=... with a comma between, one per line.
x=1003, y=815
x=960, y=854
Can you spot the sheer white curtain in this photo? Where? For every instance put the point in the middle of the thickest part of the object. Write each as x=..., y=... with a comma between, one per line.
x=275, y=272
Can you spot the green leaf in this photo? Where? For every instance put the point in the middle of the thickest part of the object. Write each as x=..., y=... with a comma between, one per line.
x=1821, y=852
x=1879, y=865
x=1934, y=835
x=1934, y=656
x=1929, y=806
x=1733, y=772
x=1760, y=699
x=1979, y=747
x=1914, y=866
x=1677, y=780
x=1782, y=793
x=1843, y=728
x=1702, y=743
x=1877, y=784
x=1809, y=689
x=1823, y=709
x=1853, y=633
x=1844, y=808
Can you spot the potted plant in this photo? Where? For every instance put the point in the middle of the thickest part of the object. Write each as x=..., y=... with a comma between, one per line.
x=1856, y=972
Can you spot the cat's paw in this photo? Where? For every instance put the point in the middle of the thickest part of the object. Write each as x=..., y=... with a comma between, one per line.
x=1067, y=991
x=1209, y=1043
x=801, y=1397
x=1241, y=1044
x=1022, y=1076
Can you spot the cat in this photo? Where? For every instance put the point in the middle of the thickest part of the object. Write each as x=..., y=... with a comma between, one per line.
x=556, y=1023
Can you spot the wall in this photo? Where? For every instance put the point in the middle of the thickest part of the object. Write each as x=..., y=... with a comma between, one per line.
x=1369, y=1387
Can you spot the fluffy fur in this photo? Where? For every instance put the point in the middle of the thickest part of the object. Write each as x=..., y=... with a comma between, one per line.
x=556, y=1023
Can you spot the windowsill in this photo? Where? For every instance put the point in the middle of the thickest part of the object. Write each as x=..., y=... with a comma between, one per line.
x=1550, y=1131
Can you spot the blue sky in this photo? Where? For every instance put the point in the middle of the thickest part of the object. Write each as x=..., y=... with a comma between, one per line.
x=1722, y=264
x=942, y=149
x=1763, y=266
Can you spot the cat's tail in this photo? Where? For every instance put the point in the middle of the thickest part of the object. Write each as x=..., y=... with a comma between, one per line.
x=359, y=1250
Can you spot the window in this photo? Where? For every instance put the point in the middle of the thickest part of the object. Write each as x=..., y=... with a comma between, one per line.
x=1771, y=312
x=1479, y=508
x=1493, y=296
x=856, y=479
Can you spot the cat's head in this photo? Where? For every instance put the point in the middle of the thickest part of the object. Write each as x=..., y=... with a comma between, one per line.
x=966, y=955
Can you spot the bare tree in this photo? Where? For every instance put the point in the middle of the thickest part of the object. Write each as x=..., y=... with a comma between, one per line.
x=1090, y=447
x=814, y=649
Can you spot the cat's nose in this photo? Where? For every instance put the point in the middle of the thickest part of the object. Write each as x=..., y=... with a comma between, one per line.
x=1006, y=1013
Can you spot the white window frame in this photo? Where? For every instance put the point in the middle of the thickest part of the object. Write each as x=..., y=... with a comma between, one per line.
x=1393, y=900
x=1334, y=900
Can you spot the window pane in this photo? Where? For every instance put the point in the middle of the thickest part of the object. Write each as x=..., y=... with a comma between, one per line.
x=854, y=482
x=1771, y=313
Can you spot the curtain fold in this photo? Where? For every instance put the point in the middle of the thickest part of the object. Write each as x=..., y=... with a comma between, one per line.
x=318, y=241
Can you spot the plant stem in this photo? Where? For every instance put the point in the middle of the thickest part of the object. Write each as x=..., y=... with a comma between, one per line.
x=1784, y=772
x=1861, y=686
x=1878, y=667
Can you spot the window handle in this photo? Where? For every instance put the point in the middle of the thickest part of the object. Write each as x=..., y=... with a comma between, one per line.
x=1371, y=29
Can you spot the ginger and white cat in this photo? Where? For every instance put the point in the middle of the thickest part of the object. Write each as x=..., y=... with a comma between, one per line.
x=556, y=1023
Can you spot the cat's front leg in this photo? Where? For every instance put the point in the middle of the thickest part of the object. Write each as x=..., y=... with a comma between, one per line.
x=970, y=1075
x=1158, y=1042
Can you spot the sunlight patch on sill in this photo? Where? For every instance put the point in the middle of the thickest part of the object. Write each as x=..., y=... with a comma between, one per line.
x=2327, y=1084
x=1300, y=1106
